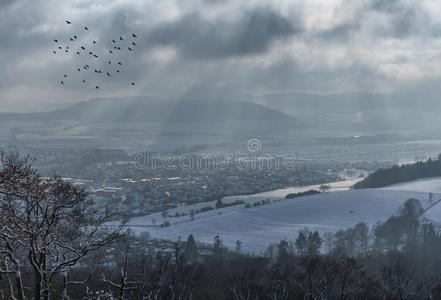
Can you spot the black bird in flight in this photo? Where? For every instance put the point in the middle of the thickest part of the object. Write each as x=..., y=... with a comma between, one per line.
x=109, y=62
x=71, y=39
x=134, y=35
x=110, y=51
x=75, y=37
x=54, y=52
x=119, y=48
x=99, y=72
x=78, y=53
x=85, y=68
x=91, y=53
x=65, y=75
x=121, y=38
x=132, y=83
x=96, y=56
x=97, y=87
x=68, y=22
x=60, y=48
x=117, y=71
x=85, y=28
x=79, y=70
x=61, y=82
x=83, y=48
x=56, y=41
x=130, y=49
x=119, y=63
x=67, y=47
x=67, y=51
x=108, y=74
x=96, y=71
x=114, y=41
x=94, y=42
x=84, y=81
x=133, y=43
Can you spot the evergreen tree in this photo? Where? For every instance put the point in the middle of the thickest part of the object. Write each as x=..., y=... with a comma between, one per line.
x=282, y=250
x=238, y=246
x=313, y=243
x=411, y=212
x=301, y=243
x=219, y=204
x=191, y=250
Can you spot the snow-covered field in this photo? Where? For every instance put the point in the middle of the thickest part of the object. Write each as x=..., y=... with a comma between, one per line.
x=428, y=185
x=259, y=226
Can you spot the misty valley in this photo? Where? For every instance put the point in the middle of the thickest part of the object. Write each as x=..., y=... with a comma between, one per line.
x=220, y=150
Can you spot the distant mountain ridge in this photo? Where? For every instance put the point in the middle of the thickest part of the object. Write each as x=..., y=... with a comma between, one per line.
x=122, y=110
x=346, y=113
x=373, y=112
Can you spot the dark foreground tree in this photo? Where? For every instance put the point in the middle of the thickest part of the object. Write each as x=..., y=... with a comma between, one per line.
x=46, y=227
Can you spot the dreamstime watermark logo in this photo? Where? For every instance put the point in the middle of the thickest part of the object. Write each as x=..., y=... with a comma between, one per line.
x=253, y=159
x=254, y=146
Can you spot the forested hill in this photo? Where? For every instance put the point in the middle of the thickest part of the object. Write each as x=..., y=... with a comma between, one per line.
x=142, y=109
x=397, y=174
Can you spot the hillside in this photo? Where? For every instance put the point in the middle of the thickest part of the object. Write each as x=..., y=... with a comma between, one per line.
x=365, y=112
x=259, y=226
x=383, y=117
x=403, y=173
x=131, y=110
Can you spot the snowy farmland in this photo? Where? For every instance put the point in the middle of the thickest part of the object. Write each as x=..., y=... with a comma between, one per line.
x=259, y=226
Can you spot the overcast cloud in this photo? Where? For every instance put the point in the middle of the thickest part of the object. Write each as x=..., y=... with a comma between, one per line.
x=249, y=47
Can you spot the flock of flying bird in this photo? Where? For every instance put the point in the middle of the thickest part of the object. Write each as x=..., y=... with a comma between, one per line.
x=118, y=45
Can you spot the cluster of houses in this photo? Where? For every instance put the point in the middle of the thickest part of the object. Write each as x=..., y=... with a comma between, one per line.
x=143, y=196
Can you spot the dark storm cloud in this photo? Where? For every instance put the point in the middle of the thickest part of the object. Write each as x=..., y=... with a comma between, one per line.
x=390, y=6
x=406, y=24
x=21, y=39
x=14, y=30
x=116, y=23
x=406, y=19
x=253, y=33
x=5, y=3
x=270, y=45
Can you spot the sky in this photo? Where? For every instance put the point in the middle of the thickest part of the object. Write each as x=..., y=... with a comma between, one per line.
x=225, y=47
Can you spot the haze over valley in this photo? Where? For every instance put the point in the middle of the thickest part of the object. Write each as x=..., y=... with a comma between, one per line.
x=219, y=149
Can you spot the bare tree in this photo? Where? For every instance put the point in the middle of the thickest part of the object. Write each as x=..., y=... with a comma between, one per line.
x=47, y=225
x=123, y=284
x=325, y=188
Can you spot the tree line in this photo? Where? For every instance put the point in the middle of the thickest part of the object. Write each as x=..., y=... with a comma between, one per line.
x=403, y=173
